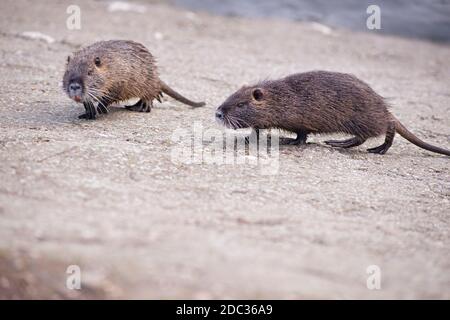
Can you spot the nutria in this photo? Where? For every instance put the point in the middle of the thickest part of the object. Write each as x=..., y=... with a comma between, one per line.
x=107, y=72
x=317, y=102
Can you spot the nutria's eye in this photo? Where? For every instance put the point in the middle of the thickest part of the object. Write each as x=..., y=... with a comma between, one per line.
x=257, y=94
x=240, y=104
x=97, y=61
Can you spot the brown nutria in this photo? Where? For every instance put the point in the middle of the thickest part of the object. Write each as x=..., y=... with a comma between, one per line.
x=107, y=72
x=317, y=102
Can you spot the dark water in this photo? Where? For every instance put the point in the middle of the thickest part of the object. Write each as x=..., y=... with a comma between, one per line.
x=427, y=19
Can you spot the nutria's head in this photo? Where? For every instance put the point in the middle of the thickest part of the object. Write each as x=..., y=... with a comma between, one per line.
x=245, y=108
x=84, y=79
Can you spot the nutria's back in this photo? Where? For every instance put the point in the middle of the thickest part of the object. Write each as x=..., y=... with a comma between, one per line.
x=317, y=101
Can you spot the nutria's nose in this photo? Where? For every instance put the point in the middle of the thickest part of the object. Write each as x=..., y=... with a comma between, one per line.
x=75, y=91
x=219, y=115
x=74, y=86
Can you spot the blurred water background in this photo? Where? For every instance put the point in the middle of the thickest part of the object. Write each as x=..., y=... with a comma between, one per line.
x=427, y=19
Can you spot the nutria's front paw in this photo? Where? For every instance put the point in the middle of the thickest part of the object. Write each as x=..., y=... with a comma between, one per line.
x=87, y=116
x=90, y=111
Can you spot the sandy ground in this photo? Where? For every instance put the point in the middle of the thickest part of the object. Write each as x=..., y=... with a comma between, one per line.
x=105, y=195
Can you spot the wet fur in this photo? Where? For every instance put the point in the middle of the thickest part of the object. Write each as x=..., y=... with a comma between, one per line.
x=127, y=70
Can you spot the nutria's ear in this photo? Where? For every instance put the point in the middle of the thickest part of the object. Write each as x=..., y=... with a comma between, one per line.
x=257, y=94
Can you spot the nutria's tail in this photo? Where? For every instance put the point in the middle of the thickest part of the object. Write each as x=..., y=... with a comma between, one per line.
x=408, y=135
x=168, y=90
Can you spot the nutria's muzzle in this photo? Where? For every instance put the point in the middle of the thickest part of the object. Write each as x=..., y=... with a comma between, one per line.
x=219, y=115
x=75, y=91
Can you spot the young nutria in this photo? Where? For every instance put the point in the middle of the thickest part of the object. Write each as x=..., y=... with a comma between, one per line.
x=111, y=71
x=317, y=102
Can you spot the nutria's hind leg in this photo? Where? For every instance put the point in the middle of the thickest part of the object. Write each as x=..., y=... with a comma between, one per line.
x=148, y=106
x=390, y=133
x=136, y=107
x=140, y=106
x=349, y=143
x=301, y=139
x=90, y=111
